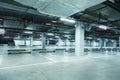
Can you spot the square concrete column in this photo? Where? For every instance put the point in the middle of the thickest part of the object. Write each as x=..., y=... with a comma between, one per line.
x=71, y=43
x=105, y=42
x=43, y=41
x=31, y=40
x=48, y=42
x=119, y=41
x=66, y=42
x=89, y=43
x=115, y=43
x=79, y=39
x=59, y=41
x=100, y=43
x=94, y=43
x=25, y=41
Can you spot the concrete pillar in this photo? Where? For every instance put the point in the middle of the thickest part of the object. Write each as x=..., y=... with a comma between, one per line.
x=100, y=43
x=89, y=43
x=119, y=41
x=119, y=44
x=71, y=43
x=115, y=43
x=112, y=43
x=65, y=42
x=25, y=41
x=94, y=43
x=59, y=41
x=31, y=40
x=48, y=42
x=105, y=42
x=43, y=41
x=79, y=39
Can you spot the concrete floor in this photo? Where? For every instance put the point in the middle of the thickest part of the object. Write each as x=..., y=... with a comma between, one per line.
x=53, y=66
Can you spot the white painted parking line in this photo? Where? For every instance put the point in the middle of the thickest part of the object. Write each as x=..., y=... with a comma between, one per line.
x=29, y=65
x=63, y=59
x=52, y=61
x=48, y=58
x=22, y=66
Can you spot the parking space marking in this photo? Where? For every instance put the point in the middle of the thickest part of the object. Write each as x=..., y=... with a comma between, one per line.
x=48, y=58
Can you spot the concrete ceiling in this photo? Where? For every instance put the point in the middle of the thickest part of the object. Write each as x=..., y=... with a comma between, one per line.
x=60, y=8
x=106, y=13
x=30, y=18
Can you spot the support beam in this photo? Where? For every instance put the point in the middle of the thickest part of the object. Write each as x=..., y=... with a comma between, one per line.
x=79, y=39
x=112, y=5
x=43, y=41
x=95, y=14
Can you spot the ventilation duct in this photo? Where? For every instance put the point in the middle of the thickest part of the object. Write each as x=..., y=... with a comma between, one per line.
x=60, y=8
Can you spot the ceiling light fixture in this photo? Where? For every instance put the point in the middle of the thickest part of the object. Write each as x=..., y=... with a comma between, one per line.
x=28, y=32
x=50, y=34
x=103, y=27
x=29, y=28
x=67, y=20
x=54, y=21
